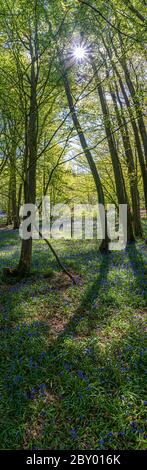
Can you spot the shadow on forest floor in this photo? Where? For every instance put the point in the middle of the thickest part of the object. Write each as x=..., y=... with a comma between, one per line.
x=73, y=360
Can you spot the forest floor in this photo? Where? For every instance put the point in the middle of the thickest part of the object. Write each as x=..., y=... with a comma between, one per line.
x=73, y=356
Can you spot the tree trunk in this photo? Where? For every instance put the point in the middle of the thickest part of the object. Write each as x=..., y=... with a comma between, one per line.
x=137, y=139
x=88, y=155
x=134, y=126
x=9, y=207
x=135, y=100
x=25, y=261
x=12, y=204
x=130, y=165
x=119, y=180
x=19, y=203
x=134, y=10
x=13, y=192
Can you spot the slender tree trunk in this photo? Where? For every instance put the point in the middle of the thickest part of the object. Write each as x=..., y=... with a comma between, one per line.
x=25, y=258
x=14, y=191
x=25, y=261
x=137, y=140
x=9, y=208
x=130, y=165
x=134, y=126
x=119, y=180
x=88, y=155
x=134, y=10
x=19, y=203
x=135, y=100
x=12, y=204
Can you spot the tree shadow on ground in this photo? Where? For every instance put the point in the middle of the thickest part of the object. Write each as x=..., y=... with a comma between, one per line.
x=65, y=392
x=139, y=268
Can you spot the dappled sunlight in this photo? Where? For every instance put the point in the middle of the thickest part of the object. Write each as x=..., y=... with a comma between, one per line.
x=73, y=357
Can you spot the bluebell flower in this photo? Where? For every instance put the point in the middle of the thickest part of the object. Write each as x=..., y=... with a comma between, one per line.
x=42, y=386
x=101, y=442
x=88, y=351
x=67, y=366
x=80, y=396
x=81, y=375
x=73, y=433
x=129, y=348
x=31, y=362
x=142, y=353
x=17, y=379
x=123, y=369
x=33, y=393
x=42, y=355
x=134, y=426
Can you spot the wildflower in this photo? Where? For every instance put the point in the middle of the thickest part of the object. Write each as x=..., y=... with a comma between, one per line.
x=101, y=442
x=33, y=393
x=17, y=379
x=133, y=424
x=67, y=366
x=129, y=348
x=121, y=434
x=81, y=375
x=123, y=369
x=142, y=353
x=42, y=355
x=73, y=433
x=42, y=388
x=31, y=362
x=88, y=350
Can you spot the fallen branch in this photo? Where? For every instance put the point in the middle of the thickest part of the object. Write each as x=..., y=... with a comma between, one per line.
x=57, y=258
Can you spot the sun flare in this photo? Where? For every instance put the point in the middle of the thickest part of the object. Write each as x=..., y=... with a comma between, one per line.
x=79, y=52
